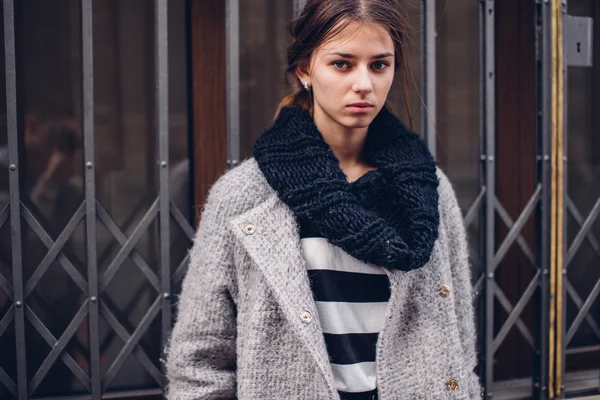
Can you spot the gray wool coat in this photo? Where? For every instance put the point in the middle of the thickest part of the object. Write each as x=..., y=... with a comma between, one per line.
x=247, y=325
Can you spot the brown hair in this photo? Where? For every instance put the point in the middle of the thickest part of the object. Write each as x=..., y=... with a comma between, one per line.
x=322, y=19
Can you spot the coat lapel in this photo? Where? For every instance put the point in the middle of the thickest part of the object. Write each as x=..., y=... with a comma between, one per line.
x=273, y=243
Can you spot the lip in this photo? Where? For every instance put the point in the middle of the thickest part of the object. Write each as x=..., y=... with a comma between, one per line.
x=361, y=105
x=360, y=108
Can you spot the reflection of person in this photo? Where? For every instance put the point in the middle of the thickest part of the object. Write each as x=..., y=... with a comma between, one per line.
x=50, y=187
x=52, y=190
x=334, y=263
x=52, y=150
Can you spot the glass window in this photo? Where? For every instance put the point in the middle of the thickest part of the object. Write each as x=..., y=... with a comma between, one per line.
x=52, y=184
x=263, y=44
x=583, y=195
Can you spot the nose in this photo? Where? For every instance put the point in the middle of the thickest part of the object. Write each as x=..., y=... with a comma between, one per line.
x=362, y=81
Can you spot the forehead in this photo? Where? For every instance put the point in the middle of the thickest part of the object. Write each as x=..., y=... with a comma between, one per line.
x=359, y=39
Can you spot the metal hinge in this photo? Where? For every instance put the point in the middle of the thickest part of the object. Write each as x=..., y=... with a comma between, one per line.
x=578, y=33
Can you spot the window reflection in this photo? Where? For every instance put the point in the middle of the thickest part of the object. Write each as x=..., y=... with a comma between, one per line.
x=583, y=194
x=52, y=186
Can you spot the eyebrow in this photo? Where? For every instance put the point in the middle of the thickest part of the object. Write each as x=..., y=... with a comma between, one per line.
x=346, y=55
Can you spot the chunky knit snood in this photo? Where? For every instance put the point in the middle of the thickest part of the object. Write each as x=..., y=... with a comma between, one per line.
x=388, y=217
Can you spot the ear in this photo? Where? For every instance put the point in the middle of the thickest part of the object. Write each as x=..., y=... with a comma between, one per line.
x=303, y=74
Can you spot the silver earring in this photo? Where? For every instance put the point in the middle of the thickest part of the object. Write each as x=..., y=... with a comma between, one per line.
x=306, y=86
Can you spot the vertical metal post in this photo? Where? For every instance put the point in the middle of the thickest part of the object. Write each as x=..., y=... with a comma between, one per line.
x=558, y=13
x=488, y=71
x=162, y=126
x=544, y=132
x=90, y=191
x=563, y=265
x=233, y=81
x=428, y=73
x=298, y=7
x=15, y=201
x=482, y=237
x=557, y=292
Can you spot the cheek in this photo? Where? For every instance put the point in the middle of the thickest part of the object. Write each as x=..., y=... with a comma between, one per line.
x=384, y=82
x=330, y=88
x=331, y=81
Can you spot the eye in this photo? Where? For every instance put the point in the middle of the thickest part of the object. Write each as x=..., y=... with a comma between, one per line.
x=340, y=64
x=380, y=65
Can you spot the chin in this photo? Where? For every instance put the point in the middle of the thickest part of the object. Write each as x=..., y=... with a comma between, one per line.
x=357, y=121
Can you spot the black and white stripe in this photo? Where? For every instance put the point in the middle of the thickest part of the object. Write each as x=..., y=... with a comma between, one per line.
x=351, y=298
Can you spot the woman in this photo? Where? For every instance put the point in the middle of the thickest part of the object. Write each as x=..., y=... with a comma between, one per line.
x=333, y=264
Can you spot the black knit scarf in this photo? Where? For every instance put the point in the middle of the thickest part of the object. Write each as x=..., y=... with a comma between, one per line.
x=388, y=217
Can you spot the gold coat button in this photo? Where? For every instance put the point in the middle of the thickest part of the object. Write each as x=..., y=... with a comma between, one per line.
x=444, y=290
x=452, y=384
x=249, y=228
x=306, y=316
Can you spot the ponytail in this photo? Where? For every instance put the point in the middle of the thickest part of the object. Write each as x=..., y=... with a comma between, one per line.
x=300, y=98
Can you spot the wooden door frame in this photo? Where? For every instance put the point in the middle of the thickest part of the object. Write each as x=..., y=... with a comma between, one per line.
x=208, y=95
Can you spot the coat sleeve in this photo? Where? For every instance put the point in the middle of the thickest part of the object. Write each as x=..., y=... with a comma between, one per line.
x=461, y=281
x=201, y=354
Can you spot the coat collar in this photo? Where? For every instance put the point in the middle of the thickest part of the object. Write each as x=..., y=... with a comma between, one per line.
x=275, y=248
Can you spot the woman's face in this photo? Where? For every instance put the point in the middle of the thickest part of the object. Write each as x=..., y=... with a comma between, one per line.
x=350, y=76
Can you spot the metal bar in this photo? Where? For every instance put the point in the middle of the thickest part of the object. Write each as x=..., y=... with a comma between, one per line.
x=544, y=133
x=233, y=81
x=488, y=82
x=7, y=319
x=513, y=389
x=4, y=215
x=123, y=311
x=579, y=303
x=15, y=216
x=561, y=241
x=583, y=349
x=582, y=383
x=122, y=239
x=428, y=73
x=122, y=394
x=587, y=225
x=53, y=252
x=124, y=335
x=116, y=231
x=582, y=312
x=58, y=348
x=579, y=219
x=87, y=62
x=181, y=269
x=517, y=310
x=479, y=287
x=162, y=125
x=521, y=240
x=8, y=383
x=132, y=342
x=65, y=356
x=515, y=230
x=475, y=208
x=6, y=287
x=505, y=303
x=298, y=7
x=112, y=269
x=48, y=242
x=182, y=221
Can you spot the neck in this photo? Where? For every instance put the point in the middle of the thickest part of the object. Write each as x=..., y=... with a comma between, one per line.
x=346, y=143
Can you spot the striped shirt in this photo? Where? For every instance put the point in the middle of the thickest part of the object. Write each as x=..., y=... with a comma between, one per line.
x=351, y=299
